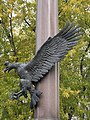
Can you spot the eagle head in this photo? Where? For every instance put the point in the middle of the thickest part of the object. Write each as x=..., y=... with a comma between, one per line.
x=9, y=66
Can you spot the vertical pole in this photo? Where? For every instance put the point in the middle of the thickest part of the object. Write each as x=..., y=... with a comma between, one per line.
x=47, y=25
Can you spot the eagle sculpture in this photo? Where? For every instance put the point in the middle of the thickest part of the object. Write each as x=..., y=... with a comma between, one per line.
x=52, y=51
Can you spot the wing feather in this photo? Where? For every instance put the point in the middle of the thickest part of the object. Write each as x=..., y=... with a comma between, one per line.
x=53, y=50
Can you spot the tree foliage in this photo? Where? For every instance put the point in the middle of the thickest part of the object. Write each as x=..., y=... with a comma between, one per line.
x=75, y=68
x=17, y=43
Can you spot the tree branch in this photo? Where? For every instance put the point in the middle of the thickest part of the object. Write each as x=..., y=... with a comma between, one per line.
x=28, y=24
x=11, y=36
x=9, y=33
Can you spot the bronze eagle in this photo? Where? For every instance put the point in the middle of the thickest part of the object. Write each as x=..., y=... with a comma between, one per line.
x=52, y=51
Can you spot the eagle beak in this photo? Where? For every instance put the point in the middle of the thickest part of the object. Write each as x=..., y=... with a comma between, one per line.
x=5, y=70
x=6, y=63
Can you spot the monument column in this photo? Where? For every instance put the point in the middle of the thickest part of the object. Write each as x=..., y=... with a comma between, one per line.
x=47, y=26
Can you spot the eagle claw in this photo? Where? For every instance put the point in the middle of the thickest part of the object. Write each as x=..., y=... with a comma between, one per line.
x=14, y=96
x=35, y=96
x=17, y=95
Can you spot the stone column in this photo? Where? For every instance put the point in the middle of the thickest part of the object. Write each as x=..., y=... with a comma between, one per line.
x=47, y=25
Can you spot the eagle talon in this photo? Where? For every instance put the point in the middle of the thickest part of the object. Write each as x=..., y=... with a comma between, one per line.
x=14, y=96
x=17, y=95
x=35, y=97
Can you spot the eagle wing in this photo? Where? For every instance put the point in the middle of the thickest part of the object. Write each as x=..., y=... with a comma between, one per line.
x=52, y=51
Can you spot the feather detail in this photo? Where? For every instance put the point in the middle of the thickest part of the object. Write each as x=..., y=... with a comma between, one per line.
x=53, y=50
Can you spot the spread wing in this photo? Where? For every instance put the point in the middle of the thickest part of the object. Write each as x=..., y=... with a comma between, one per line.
x=53, y=50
